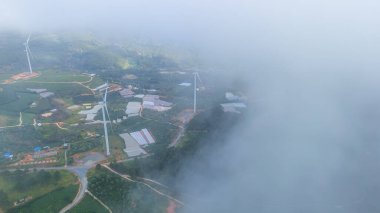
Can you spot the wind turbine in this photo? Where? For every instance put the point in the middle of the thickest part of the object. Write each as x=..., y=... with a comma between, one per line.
x=196, y=76
x=104, y=111
x=27, y=50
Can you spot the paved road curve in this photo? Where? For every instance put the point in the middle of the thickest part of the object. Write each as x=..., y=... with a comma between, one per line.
x=81, y=173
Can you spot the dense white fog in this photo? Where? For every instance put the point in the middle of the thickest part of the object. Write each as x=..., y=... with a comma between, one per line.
x=311, y=141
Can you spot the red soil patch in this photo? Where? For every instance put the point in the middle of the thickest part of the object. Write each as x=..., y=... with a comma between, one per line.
x=21, y=76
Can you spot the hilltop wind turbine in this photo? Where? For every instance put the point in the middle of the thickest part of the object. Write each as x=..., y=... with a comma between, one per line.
x=196, y=76
x=27, y=50
x=104, y=111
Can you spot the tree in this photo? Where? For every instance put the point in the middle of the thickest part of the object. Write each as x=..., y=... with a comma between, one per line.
x=98, y=166
x=3, y=199
x=57, y=176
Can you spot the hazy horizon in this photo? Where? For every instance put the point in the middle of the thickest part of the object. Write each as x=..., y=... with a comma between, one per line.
x=310, y=142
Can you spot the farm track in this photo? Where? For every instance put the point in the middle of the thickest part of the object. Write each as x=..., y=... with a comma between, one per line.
x=81, y=83
x=145, y=184
x=97, y=199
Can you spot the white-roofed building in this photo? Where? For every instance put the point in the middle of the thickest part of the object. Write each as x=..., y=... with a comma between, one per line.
x=231, y=97
x=233, y=107
x=46, y=94
x=148, y=136
x=153, y=102
x=185, y=84
x=101, y=87
x=143, y=137
x=91, y=114
x=139, y=96
x=139, y=138
x=133, y=109
x=126, y=93
x=132, y=148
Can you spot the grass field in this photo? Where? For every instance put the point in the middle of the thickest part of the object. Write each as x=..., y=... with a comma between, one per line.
x=59, y=76
x=60, y=89
x=116, y=147
x=33, y=185
x=96, y=81
x=9, y=186
x=5, y=76
x=20, y=104
x=50, y=202
x=28, y=118
x=85, y=145
x=20, y=100
x=90, y=205
x=8, y=118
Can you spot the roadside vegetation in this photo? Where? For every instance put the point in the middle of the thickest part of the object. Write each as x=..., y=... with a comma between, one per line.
x=124, y=196
x=89, y=205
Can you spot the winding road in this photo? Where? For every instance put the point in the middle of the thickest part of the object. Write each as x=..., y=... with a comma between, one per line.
x=81, y=173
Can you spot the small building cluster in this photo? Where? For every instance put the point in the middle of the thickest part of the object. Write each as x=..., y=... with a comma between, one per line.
x=132, y=148
x=91, y=113
x=133, y=109
x=126, y=93
x=44, y=93
x=45, y=153
x=135, y=140
x=8, y=155
x=230, y=96
x=153, y=102
x=185, y=84
x=233, y=107
x=40, y=155
x=49, y=113
x=143, y=137
x=236, y=104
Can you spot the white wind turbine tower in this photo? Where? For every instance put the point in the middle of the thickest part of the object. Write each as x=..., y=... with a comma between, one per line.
x=104, y=111
x=27, y=50
x=196, y=76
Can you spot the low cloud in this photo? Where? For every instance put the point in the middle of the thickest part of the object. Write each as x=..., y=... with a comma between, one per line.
x=310, y=143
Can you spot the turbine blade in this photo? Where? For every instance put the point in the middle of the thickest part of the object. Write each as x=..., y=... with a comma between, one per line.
x=105, y=131
x=105, y=106
x=27, y=54
x=27, y=40
x=30, y=52
x=108, y=115
x=105, y=94
x=200, y=80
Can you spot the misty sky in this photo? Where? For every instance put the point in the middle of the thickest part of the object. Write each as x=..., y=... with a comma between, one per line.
x=311, y=143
